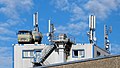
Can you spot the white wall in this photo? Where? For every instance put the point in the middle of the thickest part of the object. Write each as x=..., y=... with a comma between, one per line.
x=57, y=56
x=19, y=61
x=87, y=48
x=101, y=51
x=90, y=51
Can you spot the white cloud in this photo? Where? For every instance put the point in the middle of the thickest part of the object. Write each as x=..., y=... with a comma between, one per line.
x=5, y=51
x=6, y=62
x=101, y=9
x=77, y=12
x=10, y=22
x=12, y=10
x=115, y=48
x=6, y=34
x=6, y=31
x=80, y=10
x=25, y=4
x=73, y=28
x=76, y=15
x=7, y=38
x=61, y=4
x=72, y=7
x=5, y=57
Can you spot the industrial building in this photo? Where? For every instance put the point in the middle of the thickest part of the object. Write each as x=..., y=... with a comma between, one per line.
x=30, y=52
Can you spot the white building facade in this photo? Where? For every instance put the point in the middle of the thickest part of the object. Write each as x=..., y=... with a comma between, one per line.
x=25, y=55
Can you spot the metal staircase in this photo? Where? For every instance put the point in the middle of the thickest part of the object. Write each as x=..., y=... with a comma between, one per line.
x=45, y=53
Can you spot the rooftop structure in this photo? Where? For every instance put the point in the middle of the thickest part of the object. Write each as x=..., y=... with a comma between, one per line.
x=29, y=52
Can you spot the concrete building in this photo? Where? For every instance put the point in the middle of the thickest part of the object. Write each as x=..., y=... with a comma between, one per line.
x=30, y=53
x=25, y=55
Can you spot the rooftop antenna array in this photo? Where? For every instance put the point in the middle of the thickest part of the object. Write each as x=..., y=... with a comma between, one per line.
x=106, y=33
x=91, y=33
x=35, y=22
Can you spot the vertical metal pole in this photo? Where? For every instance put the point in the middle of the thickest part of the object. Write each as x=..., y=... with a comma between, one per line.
x=35, y=21
x=104, y=35
x=49, y=26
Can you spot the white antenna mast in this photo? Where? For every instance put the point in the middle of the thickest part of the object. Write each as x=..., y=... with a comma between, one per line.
x=51, y=30
x=49, y=26
x=91, y=33
x=35, y=21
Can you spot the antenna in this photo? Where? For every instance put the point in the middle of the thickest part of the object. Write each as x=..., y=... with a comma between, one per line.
x=51, y=30
x=35, y=21
x=94, y=22
x=91, y=33
x=106, y=33
x=49, y=26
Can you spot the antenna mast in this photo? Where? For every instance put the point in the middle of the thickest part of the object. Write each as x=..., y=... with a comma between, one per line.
x=35, y=22
x=91, y=33
x=51, y=30
x=106, y=41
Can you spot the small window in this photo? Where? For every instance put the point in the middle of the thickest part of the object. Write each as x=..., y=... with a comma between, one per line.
x=78, y=53
x=28, y=53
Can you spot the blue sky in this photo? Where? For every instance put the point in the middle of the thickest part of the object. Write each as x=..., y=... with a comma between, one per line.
x=68, y=16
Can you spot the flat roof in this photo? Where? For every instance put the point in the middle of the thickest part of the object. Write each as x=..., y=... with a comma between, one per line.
x=78, y=61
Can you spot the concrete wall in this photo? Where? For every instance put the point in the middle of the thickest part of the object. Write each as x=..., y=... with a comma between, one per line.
x=55, y=56
x=102, y=52
x=104, y=62
x=19, y=61
x=88, y=48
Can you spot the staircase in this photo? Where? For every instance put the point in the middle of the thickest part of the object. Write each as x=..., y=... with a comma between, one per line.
x=45, y=53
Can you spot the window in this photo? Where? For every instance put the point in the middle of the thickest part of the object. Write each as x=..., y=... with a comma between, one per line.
x=78, y=53
x=28, y=53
